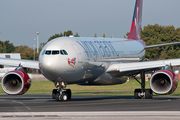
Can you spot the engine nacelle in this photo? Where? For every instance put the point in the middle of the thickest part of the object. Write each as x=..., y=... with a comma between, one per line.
x=16, y=82
x=163, y=82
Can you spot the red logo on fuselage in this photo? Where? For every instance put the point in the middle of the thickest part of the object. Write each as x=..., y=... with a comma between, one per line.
x=72, y=61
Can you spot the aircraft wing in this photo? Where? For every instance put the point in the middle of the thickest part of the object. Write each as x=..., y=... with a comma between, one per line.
x=118, y=68
x=17, y=62
x=161, y=45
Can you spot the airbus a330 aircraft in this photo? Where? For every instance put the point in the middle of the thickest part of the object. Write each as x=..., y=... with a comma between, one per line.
x=95, y=61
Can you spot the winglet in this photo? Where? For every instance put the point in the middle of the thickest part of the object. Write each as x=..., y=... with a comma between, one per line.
x=135, y=31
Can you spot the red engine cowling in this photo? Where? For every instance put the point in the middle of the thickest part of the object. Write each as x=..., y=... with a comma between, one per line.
x=16, y=82
x=163, y=82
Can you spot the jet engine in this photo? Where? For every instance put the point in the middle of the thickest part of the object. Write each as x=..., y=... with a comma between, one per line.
x=163, y=82
x=16, y=82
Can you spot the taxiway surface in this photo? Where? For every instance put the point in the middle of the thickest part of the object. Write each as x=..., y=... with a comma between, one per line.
x=44, y=103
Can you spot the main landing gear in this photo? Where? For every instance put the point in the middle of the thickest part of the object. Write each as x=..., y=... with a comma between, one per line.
x=61, y=94
x=139, y=93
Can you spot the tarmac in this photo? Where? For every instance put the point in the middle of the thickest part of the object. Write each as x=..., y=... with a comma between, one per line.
x=96, y=107
x=80, y=107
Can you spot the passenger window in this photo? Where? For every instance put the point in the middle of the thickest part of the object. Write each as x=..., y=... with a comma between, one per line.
x=65, y=52
x=55, y=52
x=48, y=52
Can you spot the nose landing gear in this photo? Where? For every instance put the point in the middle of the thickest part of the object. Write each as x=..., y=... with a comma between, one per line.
x=61, y=94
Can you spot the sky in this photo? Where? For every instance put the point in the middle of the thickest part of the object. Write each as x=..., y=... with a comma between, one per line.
x=21, y=19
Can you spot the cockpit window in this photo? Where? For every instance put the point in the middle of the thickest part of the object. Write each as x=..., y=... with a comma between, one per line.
x=55, y=52
x=48, y=52
x=43, y=52
x=63, y=52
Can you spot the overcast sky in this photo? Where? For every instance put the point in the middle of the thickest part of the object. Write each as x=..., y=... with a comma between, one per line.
x=20, y=19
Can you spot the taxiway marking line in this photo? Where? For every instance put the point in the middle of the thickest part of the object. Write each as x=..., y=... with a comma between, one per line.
x=21, y=104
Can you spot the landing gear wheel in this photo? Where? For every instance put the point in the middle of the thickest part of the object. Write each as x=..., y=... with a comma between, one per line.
x=148, y=94
x=54, y=93
x=58, y=96
x=64, y=97
x=61, y=94
x=61, y=97
x=137, y=94
x=68, y=92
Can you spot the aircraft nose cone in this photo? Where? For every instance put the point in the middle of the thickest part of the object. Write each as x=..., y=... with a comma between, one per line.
x=48, y=68
x=48, y=64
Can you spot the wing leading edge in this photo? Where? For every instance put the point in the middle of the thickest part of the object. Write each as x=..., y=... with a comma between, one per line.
x=161, y=45
x=139, y=66
x=17, y=62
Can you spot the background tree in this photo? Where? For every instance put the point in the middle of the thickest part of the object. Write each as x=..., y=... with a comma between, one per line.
x=9, y=46
x=2, y=47
x=26, y=52
x=103, y=35
x=67, y=33
x=95, y=35
x=76, y=35
x=157, y=34
x=64, y=34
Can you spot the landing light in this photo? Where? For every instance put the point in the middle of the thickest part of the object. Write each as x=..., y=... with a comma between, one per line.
x=62, y=84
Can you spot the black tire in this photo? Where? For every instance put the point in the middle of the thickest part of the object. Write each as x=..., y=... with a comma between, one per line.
x=64, y=97
x=54, y=93
x=148, y=94
x=58, y=96
x=68, y=92
x=136, y=93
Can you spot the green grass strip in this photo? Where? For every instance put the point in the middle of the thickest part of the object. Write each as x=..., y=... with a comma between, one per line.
x=46, y=87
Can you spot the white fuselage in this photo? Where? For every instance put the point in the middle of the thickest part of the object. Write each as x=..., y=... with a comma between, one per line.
x=74, y=59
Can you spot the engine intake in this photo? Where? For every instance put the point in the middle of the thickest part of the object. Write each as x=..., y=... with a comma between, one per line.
x=16, y=82
x=163, y=82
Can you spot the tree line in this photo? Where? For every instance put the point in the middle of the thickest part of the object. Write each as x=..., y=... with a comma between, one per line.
x=150, y=34
x=157, y=34
x=25, y=51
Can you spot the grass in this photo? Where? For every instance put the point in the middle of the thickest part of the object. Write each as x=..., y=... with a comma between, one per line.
x=45, y=87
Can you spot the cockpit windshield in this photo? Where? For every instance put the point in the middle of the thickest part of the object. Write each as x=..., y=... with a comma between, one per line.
x=63, y=52
x=55, y=52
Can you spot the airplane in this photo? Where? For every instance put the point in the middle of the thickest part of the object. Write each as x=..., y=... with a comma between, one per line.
x=95, y=61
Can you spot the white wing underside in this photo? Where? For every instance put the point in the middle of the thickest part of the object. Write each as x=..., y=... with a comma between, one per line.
x=138, y=66
x=17, y=62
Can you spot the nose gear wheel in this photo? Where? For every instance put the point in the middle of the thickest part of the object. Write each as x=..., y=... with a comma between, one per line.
x=61, y=94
